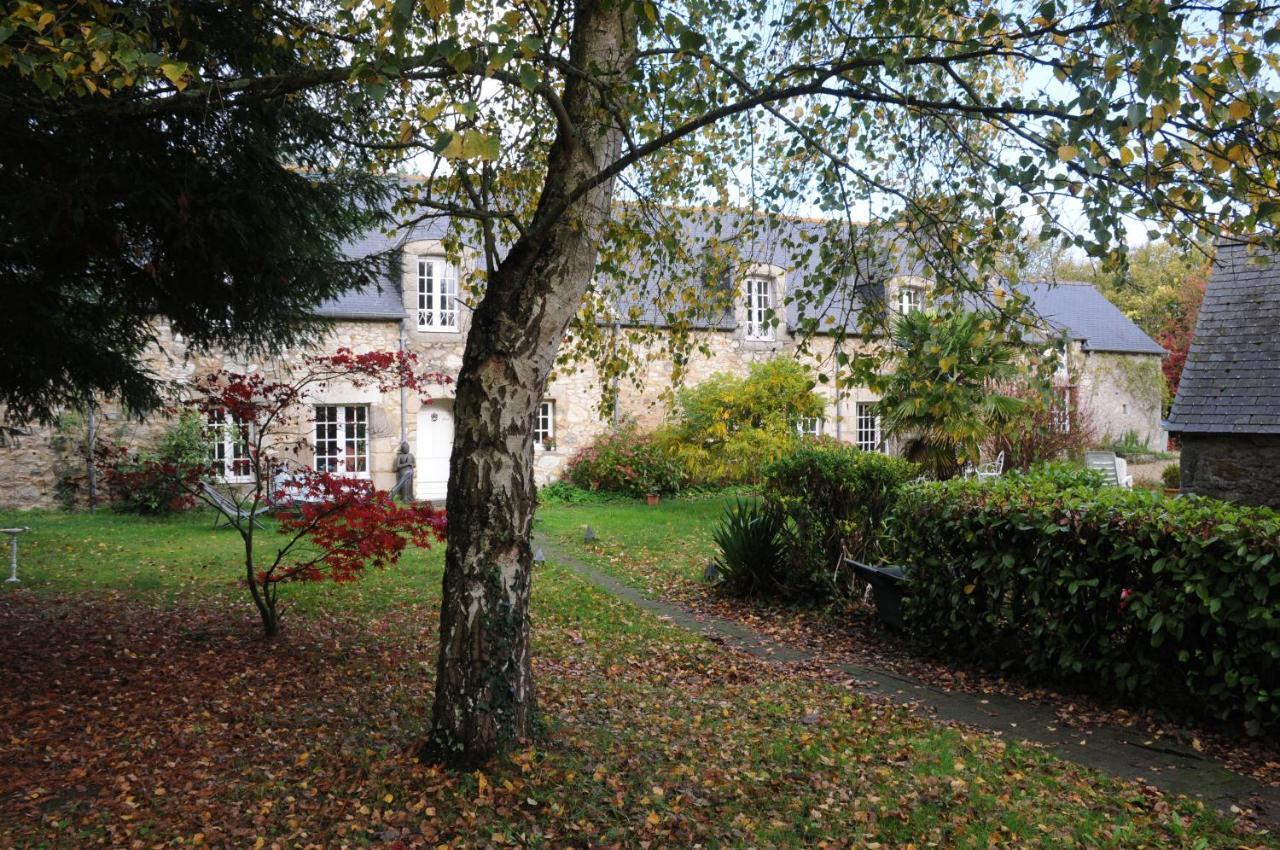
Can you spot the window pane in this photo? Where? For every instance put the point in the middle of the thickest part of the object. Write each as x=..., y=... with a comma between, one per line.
x=358, y=417
x=867, y=426
x=327, y=438
x=544, y=423
x=437, y=293
x=448, y=296
x=215, y=434
x=759, y=301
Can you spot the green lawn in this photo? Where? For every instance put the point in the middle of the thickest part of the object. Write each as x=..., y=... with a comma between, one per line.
x=142, y=710
x=661, y=548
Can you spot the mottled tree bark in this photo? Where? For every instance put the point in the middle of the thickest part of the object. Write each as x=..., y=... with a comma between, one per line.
x=484, y=688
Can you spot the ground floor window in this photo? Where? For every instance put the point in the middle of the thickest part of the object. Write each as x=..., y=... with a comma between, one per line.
x=1060, y=410
x=809, y=426
x=228, y=441
x=342, y=438
x=544, y=426
x=867, y=426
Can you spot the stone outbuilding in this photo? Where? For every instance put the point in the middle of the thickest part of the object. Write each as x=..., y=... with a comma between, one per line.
x=1115, y=368
x=1227, y=410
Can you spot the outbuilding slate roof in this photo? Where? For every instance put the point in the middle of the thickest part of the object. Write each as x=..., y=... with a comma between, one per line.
x=1231, y=381
x=1086, y=315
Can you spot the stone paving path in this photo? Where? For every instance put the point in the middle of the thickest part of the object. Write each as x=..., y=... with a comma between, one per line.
x=1116, y=750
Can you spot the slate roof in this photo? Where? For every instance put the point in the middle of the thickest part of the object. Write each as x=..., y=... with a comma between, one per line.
x=1085, y=314
x=384, y=301
x=1231, y=381
x=646, y=291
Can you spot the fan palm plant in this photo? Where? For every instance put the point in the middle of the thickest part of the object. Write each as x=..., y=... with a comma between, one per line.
x=944, y=395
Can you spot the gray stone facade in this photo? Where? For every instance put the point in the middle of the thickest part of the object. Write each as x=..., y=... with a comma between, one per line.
x=1239, y=467
x=31, y=470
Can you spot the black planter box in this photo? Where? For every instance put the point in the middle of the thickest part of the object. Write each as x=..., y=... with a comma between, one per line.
x=888, y=586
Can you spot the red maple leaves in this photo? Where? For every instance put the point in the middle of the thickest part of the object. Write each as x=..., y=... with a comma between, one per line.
x=349, y=527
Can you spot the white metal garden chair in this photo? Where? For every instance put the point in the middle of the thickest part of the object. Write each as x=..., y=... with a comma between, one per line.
x=991, y=469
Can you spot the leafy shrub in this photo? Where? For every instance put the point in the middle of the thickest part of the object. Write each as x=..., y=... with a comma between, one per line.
x=1171, y=476
x=752, y=540
x=835, y=497
x=1129, y=444
x=737, y=460
x=729, y=427
x=625, y=461
x=773, y=394
x=1124, y=590
x=565, y=493
x=157, y=481
x=1062, y=475
x=1036, y=434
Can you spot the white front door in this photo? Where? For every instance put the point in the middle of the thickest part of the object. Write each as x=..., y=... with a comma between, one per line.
x=435, y=443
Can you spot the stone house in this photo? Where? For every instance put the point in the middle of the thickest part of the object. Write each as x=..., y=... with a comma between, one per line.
x=1112, y=367
x=1227, y=410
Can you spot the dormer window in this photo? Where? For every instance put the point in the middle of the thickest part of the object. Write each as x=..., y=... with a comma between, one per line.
x=437, y=295
x=759, y=306
x=910, y=299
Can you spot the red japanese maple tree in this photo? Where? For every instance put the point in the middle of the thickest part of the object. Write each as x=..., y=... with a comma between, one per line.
x=334, y=526
x=1179, y=330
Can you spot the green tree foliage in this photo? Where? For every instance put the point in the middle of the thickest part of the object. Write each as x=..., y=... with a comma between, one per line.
x=1151, y=288
x=142, y=186
x=943, y=397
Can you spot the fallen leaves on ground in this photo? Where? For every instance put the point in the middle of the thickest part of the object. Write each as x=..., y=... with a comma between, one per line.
x=140, y=723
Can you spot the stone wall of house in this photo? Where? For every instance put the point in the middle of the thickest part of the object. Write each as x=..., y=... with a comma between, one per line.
x=39, y=468
x=1122, y=393
x=1237, y=467
x=1114, y=386
x=577, y=391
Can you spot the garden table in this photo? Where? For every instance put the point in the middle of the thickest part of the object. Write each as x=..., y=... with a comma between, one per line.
x=13, y=552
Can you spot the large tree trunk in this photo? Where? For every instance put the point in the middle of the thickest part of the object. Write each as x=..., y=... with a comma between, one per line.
x=484, y=688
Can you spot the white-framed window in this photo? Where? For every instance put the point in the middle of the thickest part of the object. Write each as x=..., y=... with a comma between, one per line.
x=437, y=295
x=809, y=426
x=228, y=441
x=910, y=299
x=759, y=303
x=342, y=439
x=1060, y=409
x=867, y=426
x=544, y=426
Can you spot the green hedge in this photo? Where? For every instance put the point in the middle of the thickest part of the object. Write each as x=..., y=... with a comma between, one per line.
x=832, y=498
x=1176, y=600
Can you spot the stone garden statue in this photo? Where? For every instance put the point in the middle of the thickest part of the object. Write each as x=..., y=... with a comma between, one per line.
x=404, y=467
